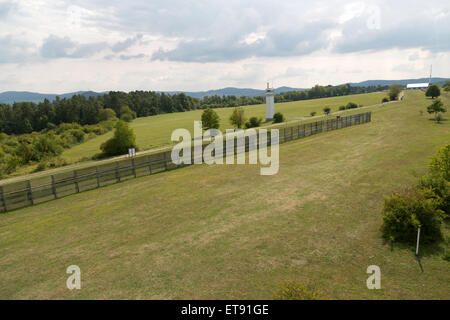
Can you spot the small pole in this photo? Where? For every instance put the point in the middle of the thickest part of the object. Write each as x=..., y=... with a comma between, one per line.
x=418, y=239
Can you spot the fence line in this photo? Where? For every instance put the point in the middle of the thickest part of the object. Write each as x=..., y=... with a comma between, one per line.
x=30, y=192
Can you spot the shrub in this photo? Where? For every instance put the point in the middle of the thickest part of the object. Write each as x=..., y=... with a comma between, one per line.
x=278, y=117
x=127, y=117
x=404, y=212
x=341, y=108
x=385, y=99
x=124, y=138
x=294, y=290
x=351, y=105
x=327, y=110
x=440, y=163
x=253, y=122
x=436, y=107
x=313, y=114
x=435, y=187
x=210, y=119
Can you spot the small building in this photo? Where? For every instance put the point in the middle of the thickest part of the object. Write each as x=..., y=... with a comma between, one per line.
x=412, y=86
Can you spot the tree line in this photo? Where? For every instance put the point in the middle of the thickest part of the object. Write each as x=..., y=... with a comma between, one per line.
x=27, y=117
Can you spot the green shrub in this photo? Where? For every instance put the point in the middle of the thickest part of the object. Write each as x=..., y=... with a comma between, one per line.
x=294, y=290
x=436, y=187
x=253, y=122
x=404, y=212
x=327, y=110
x=313, y=113
x=278, y=117
x=123, y=139
x=351, y=105
x=341, y=108
x=385, y=99
x=440, y=163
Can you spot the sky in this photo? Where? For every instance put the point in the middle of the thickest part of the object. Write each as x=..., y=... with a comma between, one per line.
x=101, y=45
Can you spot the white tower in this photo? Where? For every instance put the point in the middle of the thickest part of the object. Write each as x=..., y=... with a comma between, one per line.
x=270, y=108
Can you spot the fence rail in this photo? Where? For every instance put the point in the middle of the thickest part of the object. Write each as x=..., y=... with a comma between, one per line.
x=30, y=192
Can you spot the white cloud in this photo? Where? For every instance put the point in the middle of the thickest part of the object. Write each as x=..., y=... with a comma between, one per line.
x=202, y=44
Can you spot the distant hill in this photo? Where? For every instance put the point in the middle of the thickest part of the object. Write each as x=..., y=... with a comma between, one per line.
x=21, y=96
x=403, y=82
x=238, y=92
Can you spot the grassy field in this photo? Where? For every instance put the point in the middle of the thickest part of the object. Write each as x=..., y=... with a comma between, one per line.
x=155, y=131
x=226, y=232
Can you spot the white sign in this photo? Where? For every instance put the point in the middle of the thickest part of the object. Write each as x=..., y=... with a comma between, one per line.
x=132, y=152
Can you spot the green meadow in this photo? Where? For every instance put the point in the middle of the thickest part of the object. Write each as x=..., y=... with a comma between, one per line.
x=226, y=232
x=155, y=131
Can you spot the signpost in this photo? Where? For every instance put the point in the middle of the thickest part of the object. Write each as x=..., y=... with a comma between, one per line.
x=131, y=152
x=418, y=238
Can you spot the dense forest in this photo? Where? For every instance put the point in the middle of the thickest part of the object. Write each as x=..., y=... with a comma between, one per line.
x=27, y=117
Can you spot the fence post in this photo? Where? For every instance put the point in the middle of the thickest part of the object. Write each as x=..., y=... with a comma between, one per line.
x=75, y=178
x=134, y=169
x=53, y=187
x=96, y=175
x=117, y=172
x=149, y=164
x=30, y=192
x=165, y=161
x=3, y=198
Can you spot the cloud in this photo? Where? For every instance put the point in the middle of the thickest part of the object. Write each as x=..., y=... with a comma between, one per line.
x=127, y=43
x=13, y=50
x=6, y=8
x=55, y=47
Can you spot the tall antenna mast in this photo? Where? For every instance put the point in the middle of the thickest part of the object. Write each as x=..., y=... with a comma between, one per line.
x=431, y=70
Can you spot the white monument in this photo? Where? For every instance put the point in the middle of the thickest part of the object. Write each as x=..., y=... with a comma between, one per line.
x=270, y=108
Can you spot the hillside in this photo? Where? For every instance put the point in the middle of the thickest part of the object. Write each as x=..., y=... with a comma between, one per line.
x=225, y=232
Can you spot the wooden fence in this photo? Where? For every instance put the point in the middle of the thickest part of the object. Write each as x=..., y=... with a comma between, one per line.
x=30, y=192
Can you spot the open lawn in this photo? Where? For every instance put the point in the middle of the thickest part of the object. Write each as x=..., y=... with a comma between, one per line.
x=226, y=232
x=155, y=131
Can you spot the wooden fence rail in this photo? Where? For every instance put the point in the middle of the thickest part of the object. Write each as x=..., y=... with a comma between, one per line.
x=30, y=192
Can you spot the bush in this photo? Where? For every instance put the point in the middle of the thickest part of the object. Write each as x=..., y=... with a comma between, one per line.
x=436, y=187
x=253, y=122
x=124, y=138
x=404, y=212
x=440, y=163
x=278, y=117
x=293, y=290
x=313, y=113
x=385, y=99
x=127, y=117
x=341, y=108
x=327, y=110
x=351, y=105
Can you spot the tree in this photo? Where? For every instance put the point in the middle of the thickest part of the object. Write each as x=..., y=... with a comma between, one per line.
x=446, y=86
x=210, y=119
x=237, y=118
x=123, y=139
x=106, y=114
x=436, y=107
x=327, y=110
x=394, y=91
x=433, y=91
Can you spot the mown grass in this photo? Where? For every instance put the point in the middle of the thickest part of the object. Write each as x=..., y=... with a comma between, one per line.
x=155, y=131
x=226, y=232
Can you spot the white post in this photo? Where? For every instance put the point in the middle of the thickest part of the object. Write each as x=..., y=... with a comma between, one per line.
x=418, y=238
